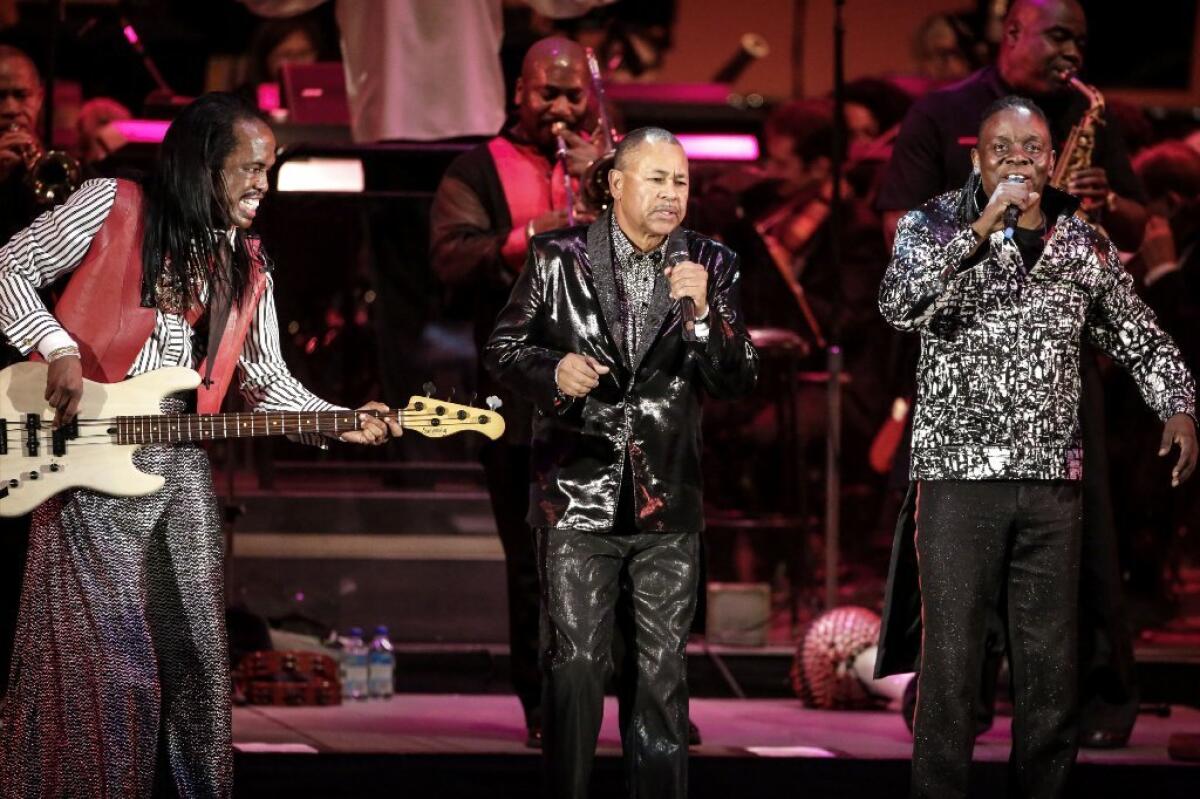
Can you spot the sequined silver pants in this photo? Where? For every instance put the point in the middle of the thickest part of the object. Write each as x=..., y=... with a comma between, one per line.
x=646, y=582
x=120, y=660
x=975, y=540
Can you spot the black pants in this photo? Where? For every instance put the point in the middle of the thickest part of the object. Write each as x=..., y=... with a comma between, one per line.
x=977, y=540
x=508, y=475
x=590, y=583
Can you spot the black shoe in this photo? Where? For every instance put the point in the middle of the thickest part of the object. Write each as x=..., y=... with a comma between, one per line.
x=693, y=734
x=1103, y=739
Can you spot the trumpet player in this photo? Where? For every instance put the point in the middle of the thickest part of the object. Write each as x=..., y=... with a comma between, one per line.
x=21, y=98
x=490, y=202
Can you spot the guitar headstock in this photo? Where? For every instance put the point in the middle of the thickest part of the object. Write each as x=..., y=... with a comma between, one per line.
x=439, y=418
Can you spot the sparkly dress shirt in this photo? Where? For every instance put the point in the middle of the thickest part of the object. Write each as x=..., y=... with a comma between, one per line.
x=636, y=272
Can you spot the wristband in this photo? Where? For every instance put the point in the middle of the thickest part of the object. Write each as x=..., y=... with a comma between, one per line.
x=62, y=352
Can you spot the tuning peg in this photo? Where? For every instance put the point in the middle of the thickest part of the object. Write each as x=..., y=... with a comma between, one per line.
x=494, y=403
x=429, y=388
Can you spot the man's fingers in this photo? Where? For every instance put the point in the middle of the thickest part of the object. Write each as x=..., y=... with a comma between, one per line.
x=1168, y=437
x=571, y=137
x=597, y=367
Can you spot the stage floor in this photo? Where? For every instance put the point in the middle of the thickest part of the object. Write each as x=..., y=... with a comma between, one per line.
x=473, y=745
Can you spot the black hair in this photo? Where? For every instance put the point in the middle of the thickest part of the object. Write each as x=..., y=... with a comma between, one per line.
x=1012, y=102
x=186, y=206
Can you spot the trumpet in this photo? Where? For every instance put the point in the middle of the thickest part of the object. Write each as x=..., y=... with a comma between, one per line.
x=561, y=153
x=594, y=190
x=50, y=175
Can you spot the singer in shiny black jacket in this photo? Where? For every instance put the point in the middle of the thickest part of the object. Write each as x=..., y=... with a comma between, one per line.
x=616, y=494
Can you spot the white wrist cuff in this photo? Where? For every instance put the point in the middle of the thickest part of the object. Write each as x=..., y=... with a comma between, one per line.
x=54, y=341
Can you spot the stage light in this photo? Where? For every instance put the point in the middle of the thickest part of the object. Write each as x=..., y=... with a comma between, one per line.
x=720, y=146
x=322, y=175
x=141, y=131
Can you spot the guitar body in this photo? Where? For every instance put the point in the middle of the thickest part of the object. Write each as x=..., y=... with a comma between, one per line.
x=94, y=460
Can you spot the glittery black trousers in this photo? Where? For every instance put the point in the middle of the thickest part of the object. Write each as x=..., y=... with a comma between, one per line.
x=975, y=540
x=120, y=674
x=507, y=468
x=646, y=583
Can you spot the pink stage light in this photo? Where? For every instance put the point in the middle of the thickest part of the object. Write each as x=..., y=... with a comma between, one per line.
x=130, y=35
x=720, y=146
x=142, y=131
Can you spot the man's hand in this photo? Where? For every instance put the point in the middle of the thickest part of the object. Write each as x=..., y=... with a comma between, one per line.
x=64, y=387
x=374, y=431
x=14, y=144
x=689, y=279
x=581, y=153
x=1181, y=430
x=577, y=374
x=1091, y=186
x=1006, y=194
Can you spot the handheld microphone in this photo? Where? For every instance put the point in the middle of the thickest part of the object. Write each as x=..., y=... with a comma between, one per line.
x=1012, y=213
x=677, y=253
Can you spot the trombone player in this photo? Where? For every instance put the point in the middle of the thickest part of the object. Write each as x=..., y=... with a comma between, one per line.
x=491, y=200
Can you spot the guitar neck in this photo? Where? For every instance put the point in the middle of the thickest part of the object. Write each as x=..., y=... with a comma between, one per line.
x=180, y=427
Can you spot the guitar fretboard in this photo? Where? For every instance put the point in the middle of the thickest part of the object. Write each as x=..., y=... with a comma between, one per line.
x=173, y=428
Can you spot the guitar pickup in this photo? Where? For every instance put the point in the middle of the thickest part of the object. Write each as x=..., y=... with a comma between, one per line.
x=60, y=437
x=33, y=424
x=3, y=438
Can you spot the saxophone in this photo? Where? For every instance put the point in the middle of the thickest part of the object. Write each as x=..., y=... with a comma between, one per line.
x=1081, y=143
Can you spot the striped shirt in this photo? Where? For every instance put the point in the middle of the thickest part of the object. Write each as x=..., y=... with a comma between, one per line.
x=57, y=242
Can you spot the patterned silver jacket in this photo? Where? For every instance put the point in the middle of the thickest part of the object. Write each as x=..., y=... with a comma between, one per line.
x=998, y=379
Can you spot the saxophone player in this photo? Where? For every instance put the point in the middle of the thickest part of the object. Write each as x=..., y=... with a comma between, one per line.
x=1043, y=44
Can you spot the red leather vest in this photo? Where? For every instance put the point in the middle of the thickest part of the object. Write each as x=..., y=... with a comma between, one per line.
x=532, y=186
x=101, y=306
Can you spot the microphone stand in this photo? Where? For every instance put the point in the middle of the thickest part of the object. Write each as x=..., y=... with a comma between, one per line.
x=833, y=441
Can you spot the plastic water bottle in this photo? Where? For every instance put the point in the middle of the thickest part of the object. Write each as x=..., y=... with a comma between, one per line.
x=381, y=665
x=354, y=665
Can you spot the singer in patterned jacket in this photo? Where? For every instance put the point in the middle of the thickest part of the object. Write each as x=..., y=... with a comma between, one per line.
x=996, y=449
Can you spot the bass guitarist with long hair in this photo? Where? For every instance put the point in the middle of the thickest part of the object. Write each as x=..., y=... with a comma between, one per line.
x=119, y=684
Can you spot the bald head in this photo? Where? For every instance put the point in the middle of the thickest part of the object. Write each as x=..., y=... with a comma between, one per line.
x=553, y=88
x=553, y=51
x=1043, y=40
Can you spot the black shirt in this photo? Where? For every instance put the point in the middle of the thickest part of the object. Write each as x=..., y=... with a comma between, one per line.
x=933, y=150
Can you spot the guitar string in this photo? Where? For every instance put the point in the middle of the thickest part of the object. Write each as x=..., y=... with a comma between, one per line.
x=107, y=438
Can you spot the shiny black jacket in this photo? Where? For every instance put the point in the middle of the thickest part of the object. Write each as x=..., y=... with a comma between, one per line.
x=646, y=408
